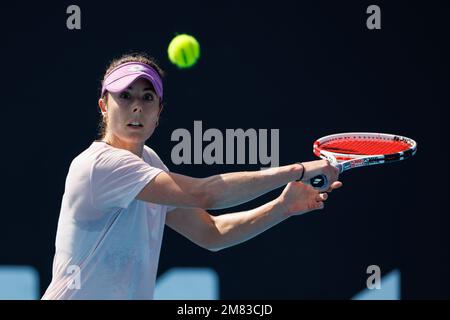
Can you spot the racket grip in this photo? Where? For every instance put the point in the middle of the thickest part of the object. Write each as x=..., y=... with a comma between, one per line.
x=318, y=182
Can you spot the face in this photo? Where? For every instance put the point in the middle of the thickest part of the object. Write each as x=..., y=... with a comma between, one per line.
x=133, y=112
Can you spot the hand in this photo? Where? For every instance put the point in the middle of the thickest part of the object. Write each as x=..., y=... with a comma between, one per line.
x=298, y=198
x=319, y=167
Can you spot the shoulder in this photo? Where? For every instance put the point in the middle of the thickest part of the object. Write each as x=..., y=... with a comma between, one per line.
x=100, y=156
x=99, y=150
x=151, y=152
x=154, y=159
x=86, y=157
x=109, y=157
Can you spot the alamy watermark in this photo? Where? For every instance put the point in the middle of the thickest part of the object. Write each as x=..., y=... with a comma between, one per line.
x=225, y=148
x=75, y=277
x=374, y=20
x=74, y=20
x=374, y=280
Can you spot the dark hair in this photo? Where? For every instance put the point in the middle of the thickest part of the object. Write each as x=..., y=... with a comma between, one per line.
x=129, y=57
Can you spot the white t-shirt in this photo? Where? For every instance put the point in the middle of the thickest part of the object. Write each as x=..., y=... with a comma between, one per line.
x=108, y=242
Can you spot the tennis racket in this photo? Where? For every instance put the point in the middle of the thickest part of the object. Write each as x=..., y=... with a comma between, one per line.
x=360, y=149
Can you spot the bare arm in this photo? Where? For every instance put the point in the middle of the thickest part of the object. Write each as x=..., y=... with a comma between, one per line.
x=218, y=191
x=218, y=232
x=225, y=190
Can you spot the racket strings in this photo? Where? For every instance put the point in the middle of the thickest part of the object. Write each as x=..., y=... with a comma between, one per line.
x=364, y=146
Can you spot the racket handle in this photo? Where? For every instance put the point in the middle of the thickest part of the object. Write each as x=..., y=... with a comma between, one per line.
x=319, y=181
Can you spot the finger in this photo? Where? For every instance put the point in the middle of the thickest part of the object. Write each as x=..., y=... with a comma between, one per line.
x=322, y=197
x=320, y=205
x=335, y=185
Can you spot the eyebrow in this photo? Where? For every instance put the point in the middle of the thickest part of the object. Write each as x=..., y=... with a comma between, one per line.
x=145, y=89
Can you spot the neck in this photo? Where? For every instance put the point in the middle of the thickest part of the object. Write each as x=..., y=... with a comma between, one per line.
x=136, y=148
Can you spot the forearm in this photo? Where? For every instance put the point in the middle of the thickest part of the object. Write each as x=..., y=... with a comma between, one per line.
x=234, y=228
x=230, y=189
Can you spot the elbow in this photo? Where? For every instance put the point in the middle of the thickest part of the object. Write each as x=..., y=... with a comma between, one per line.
x=212, y=239
x=212, y=248
x=203, y=200
x=214, y=242
x=207, y=244
x=207, y=201
x=205, y=196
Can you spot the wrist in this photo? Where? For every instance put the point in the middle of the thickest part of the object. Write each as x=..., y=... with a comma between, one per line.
x=301, y=175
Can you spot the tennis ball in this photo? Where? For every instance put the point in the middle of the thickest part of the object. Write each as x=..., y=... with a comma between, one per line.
x=184, y=51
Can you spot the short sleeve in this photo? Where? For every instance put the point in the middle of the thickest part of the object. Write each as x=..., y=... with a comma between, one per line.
x=117, y=177
x=160, y=164
x=170, y=208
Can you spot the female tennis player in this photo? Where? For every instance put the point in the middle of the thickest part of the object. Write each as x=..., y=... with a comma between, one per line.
x=119, y=195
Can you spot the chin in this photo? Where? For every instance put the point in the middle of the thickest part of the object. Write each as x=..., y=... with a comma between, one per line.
x=137, y=137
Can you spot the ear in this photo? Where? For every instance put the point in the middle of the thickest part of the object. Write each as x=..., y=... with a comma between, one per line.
x=102, y=105
x=161, y=107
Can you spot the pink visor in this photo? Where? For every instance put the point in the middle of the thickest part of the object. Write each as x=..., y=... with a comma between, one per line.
x=125, y=74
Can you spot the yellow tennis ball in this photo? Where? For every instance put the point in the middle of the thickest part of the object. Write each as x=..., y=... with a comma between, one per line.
x=184, y=51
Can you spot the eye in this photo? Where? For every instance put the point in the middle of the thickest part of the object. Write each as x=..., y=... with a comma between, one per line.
x=148, y=97
x=125, y=95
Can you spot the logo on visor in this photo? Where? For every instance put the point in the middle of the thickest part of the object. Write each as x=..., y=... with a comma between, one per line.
x=136, y=68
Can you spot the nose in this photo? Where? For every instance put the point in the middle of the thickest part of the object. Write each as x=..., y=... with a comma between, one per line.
x=137, y=108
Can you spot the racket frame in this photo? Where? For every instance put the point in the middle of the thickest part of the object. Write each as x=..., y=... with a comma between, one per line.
x=349, y=161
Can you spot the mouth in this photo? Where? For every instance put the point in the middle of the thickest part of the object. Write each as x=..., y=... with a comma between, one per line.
x=135, y=125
